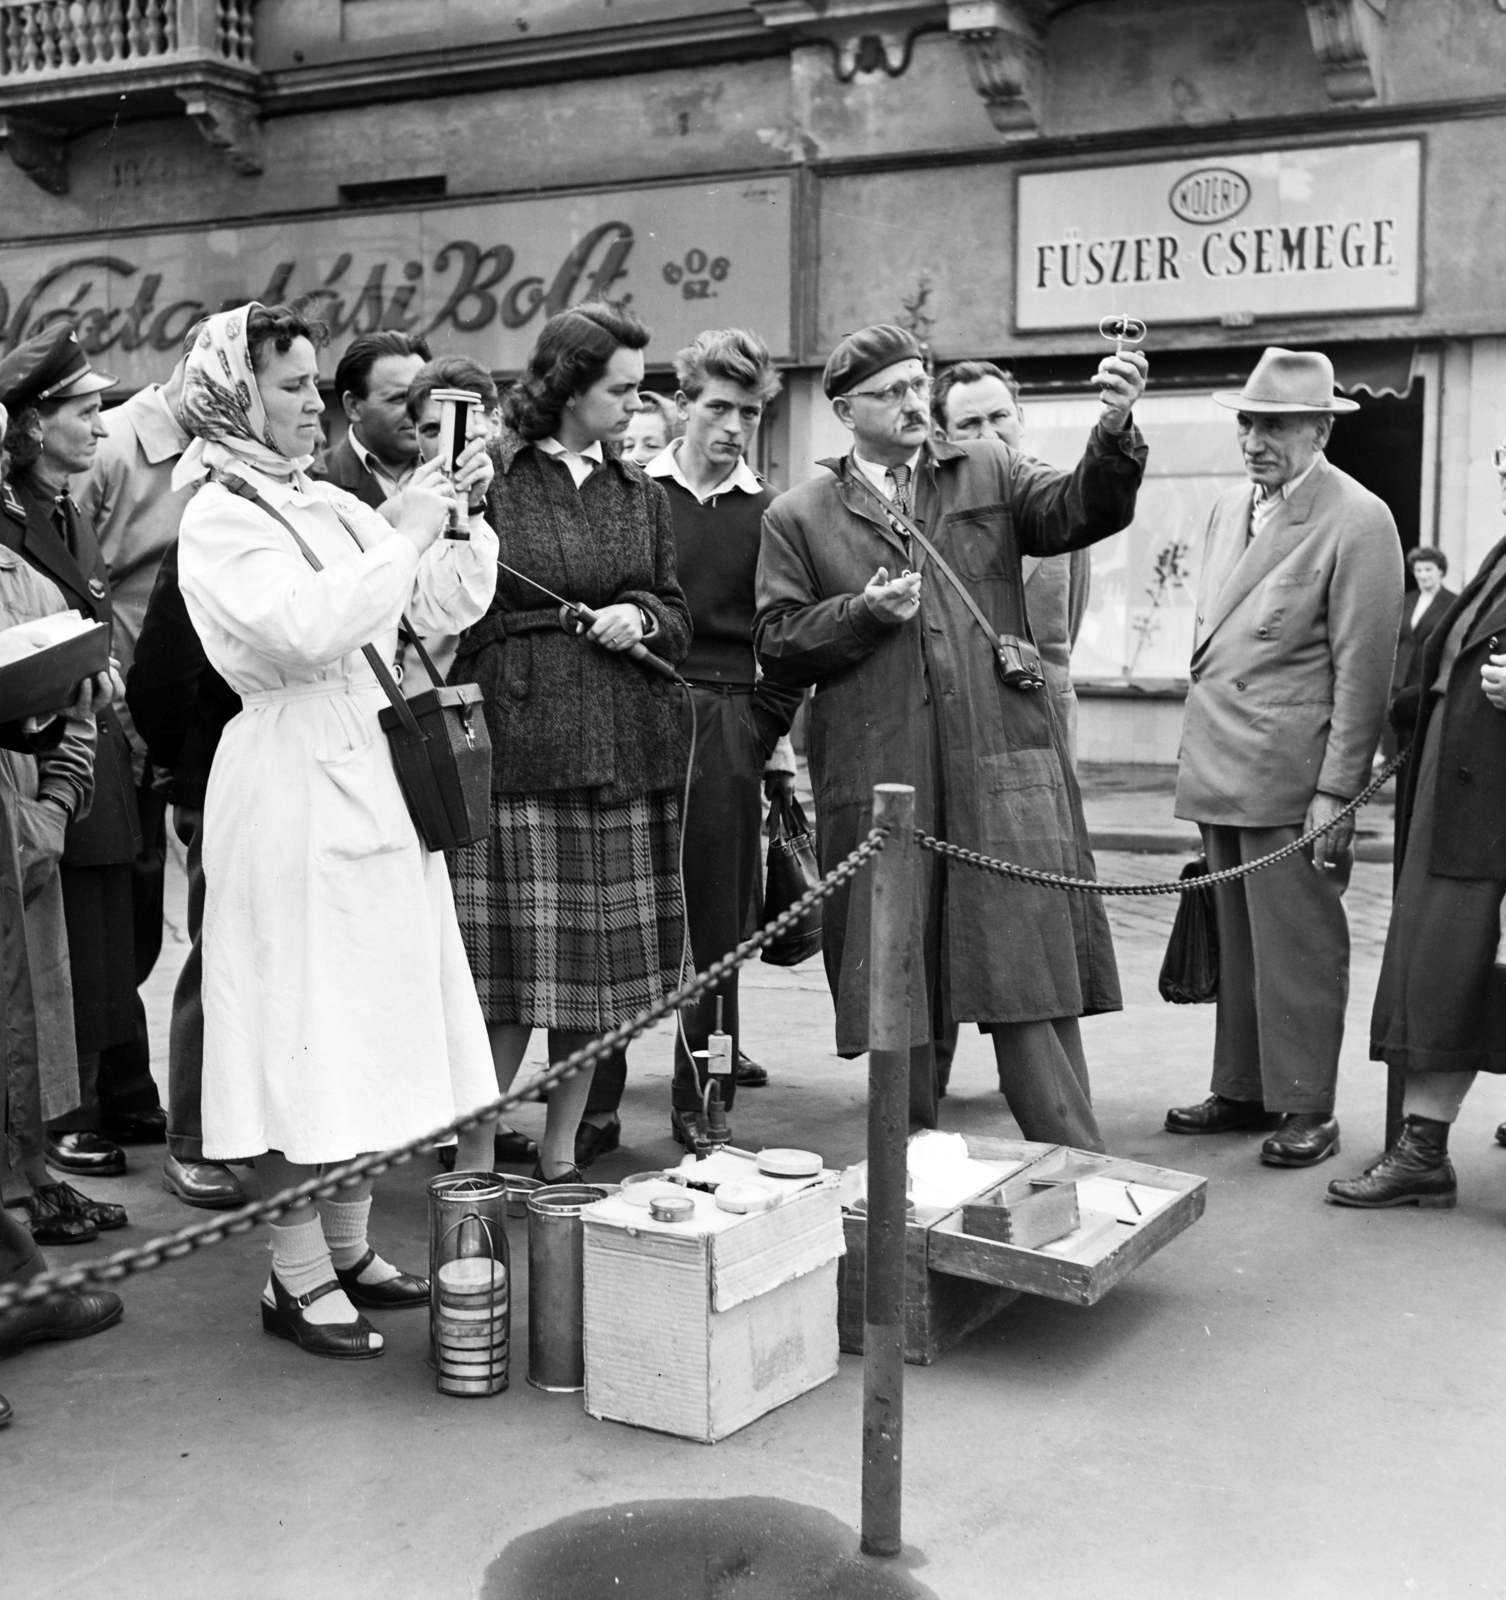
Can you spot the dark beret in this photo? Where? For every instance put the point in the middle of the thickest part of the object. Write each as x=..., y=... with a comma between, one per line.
x=865, y=352
x=50, y=365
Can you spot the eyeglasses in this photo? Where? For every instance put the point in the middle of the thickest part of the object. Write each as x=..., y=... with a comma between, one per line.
x=895, y=394
x=1498, y=458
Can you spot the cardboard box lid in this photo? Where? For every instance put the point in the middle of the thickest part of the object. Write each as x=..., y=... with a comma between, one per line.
x=743, y=1254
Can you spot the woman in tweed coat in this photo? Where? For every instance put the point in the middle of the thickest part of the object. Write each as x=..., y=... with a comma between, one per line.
x=571, y=909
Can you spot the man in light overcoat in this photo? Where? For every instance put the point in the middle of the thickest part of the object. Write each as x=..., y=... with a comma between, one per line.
x=907, y=691
x=1297, y=611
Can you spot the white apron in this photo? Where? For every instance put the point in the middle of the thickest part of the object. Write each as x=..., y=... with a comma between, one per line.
x=339, y=1011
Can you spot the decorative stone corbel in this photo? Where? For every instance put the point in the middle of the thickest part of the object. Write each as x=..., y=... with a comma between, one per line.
x=1003, y=43
x=228, y=122
x=38, y=149
x=1347, y=39
x=864, y=36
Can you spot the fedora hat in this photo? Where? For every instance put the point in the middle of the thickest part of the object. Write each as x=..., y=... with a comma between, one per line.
x=1288, y=380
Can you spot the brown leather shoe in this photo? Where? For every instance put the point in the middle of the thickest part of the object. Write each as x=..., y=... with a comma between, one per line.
x=210, y=1185
x=63, y=1314
x=50, y=1221
x=1218, y=1114
x=86, y=1153
x=101, y=1213
x=1415, y=1171
x=1303, y=1140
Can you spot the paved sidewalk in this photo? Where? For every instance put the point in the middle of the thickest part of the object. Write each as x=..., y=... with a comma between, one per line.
x=1290, y=1400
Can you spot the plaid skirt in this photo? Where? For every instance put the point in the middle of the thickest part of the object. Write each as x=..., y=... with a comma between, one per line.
x=570, y=909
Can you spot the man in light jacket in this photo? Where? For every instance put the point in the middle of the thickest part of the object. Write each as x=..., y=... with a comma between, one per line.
x=908, y=691
x=1297, y=611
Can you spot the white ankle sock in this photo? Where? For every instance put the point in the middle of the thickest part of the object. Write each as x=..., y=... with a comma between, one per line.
x=301, y=1260
x=345, y=1224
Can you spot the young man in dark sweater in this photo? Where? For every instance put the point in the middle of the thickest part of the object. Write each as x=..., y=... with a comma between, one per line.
x=726, y=378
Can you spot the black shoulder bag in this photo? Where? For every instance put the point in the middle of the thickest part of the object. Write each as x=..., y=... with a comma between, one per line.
x=440, y=747
x=1016, y=660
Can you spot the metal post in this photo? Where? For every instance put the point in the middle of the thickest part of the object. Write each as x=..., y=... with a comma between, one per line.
x=892, y=938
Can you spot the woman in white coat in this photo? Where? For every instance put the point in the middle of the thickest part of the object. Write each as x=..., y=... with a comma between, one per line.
x=339, y=1012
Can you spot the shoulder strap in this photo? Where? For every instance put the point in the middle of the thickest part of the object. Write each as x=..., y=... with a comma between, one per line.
x=903, y=526
x=238, y=485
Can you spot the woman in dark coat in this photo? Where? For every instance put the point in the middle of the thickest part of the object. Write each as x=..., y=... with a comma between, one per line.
x=1440, y=1009
x=571, y=910
x=1422, y=613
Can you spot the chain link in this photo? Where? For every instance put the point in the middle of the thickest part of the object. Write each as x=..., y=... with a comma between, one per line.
x=1056, y=880
x=199, y=1236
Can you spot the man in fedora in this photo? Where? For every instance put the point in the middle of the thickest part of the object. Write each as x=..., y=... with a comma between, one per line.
x=1297, y=611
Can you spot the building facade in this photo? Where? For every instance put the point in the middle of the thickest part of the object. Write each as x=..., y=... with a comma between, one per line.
x=999, y=175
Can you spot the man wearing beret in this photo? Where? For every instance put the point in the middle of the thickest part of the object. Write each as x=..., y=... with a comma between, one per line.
x=1298, y=605
x=893, y=584
x=53, y=397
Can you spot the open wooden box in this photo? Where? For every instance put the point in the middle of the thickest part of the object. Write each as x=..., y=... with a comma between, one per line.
x=956, y=1281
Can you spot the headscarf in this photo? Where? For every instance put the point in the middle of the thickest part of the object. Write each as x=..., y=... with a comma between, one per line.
x=222, y=407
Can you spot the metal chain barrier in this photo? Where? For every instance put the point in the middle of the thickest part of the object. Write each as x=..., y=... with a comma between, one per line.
x=1056, y=880
x=199, y=1236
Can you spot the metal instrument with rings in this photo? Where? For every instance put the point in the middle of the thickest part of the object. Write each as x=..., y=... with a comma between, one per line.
x=1122, y=330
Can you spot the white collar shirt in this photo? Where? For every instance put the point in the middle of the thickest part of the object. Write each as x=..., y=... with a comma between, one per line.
x=579, y=463
x=878, y=475
x=667, y=465
x=1266, y=500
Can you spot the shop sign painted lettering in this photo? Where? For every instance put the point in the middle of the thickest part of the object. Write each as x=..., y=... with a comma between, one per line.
x=474, y=279
x=1280, y=233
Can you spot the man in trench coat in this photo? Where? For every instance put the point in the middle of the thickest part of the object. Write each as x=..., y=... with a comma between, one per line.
x=1297, y=611
x=907, y=691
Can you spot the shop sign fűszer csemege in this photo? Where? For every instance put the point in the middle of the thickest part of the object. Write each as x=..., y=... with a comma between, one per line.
x=1325, y=230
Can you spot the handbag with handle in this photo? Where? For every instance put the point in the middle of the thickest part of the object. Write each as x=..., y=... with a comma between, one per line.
x=441, y=750
x=1189, y=972
x=792, y=872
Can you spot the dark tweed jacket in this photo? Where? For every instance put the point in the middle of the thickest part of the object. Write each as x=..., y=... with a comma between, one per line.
x=562, y=712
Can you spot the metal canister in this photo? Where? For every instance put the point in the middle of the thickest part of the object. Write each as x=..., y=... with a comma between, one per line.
x=470, y=1300
x=556, y=1285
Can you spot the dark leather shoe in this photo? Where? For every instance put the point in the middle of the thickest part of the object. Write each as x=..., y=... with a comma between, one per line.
x=63, y=1314
x=104, y=1216
x=1415, y=1171
x=681, y=1124
x=515, y=1148
x=1217, y=1114
x=51, y=1222
x=591, y=1141
x=85, y=1153
x=396, y=1294
x=340, y=1341
x=569, y=1175
x=748, y=1074
x=1303, y=1140
x=1501, y=1134
x=210, y=1185
x=136, y=1127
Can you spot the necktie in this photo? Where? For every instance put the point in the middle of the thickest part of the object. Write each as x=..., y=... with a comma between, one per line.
x=1266, y=501
x=899, y=487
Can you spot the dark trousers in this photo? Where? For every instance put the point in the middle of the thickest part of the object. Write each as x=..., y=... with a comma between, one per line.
x=1283, y=981
x=118, y=1079
x=20, y=1260
x=1043, y=1076
x=723, y=875
x=185, y=1040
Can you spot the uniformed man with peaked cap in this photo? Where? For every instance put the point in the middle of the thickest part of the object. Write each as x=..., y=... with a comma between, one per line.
x=53, y=397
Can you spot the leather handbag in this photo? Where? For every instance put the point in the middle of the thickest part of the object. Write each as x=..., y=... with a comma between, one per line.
x=441, y=750
x=1189, y=972
x=1016, y=660
x=792, y=872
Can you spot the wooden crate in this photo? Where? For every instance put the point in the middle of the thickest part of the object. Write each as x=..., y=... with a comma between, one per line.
x=1084, y=1281
x=955, y=1282
x=939, y=1311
